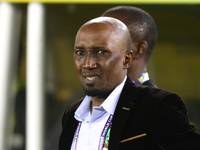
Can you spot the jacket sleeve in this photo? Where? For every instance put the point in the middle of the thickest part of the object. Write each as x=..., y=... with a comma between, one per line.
x=174, y=130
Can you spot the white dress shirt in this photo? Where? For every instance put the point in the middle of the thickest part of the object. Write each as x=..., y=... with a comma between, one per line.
x=93, y=124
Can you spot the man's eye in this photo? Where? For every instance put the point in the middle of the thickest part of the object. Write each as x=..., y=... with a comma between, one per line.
x=80, y=52
x=101, y=52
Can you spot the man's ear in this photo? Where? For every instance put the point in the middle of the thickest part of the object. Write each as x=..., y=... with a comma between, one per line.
x=127, y=59
x=141, y=49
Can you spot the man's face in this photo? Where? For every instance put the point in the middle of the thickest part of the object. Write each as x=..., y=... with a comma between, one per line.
x=99, y=59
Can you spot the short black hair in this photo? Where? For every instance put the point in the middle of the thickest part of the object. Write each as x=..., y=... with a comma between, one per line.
x=140, y=24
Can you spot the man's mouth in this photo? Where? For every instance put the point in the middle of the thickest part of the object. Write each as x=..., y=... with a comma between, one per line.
x=91, y=78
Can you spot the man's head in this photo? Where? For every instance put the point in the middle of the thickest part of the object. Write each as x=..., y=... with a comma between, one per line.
x=143, y=34
x=102, y=55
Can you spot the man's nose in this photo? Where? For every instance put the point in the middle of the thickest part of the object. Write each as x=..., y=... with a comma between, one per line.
x=90, y=62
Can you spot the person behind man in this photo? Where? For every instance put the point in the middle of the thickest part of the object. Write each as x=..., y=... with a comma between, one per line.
x=116, y=114
x=143, y=33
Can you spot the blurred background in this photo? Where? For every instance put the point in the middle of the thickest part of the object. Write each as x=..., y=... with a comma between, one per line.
x=174, y=64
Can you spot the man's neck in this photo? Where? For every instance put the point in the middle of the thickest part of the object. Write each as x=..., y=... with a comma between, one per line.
x=96, y=102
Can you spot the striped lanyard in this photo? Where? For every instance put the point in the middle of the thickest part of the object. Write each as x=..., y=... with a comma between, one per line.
x=140, y=79
x=102, y=137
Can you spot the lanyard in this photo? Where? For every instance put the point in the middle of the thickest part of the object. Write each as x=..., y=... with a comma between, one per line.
x=140, y=79
x=102, y=137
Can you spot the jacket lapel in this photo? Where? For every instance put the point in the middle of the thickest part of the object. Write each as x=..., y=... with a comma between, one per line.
x=125, y=104
x=68, y=133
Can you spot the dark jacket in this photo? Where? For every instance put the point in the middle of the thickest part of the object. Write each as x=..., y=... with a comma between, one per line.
x=145, y=118
x=149, y=83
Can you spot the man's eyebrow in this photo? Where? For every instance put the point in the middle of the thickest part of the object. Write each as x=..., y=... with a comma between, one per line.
x=98, y=47
x=92, y=48
x=78, y=47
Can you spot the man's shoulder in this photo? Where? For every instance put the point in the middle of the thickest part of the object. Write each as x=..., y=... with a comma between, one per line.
x=147, y=95
x=152, y=92
x=159, y=98
x=144, y=91
x=149, y=83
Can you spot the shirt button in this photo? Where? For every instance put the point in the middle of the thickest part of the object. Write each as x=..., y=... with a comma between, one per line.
x=92, y=125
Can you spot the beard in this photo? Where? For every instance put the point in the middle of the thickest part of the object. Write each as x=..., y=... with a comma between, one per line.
x=96, y=92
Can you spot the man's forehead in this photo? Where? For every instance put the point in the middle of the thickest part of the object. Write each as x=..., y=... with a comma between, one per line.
x=98, y=34
x=91, y=43
x=105, y=31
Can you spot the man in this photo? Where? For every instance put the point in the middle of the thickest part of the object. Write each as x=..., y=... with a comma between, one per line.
x=116, y=114
x=143, y=34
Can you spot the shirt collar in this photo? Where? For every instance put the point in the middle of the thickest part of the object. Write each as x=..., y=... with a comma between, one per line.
x=84, y=109
x=108, y=105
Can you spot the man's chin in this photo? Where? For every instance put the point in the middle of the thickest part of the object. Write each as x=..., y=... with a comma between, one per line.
x=92, y=92
x=96, y=92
